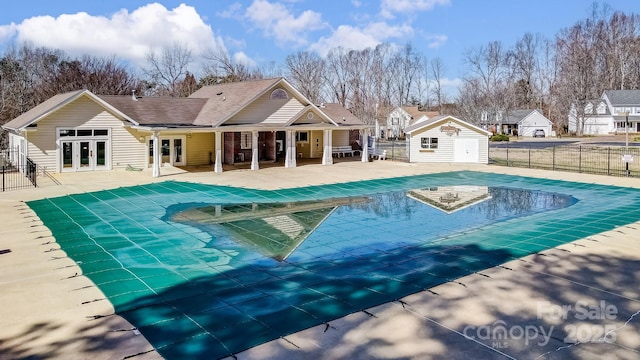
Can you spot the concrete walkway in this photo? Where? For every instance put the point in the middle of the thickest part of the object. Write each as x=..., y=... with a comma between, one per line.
x=48, y=309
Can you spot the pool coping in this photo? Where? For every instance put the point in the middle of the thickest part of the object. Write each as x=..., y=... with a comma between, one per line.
x=42, y=295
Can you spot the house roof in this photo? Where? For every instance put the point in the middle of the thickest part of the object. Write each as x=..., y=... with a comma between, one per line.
x=416, y=112
x=210, y=106
x=158, y=110
x=623, y=97
x=442, y=118
x=55, y=103
x=340, y=115
x=226, y=100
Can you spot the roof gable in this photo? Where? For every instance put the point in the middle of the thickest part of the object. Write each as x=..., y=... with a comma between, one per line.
x=56, y=103
x=438, y=120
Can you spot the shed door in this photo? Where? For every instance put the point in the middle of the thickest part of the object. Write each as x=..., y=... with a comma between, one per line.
x=466, y=150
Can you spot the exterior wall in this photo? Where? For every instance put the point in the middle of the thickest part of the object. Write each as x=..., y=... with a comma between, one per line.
x=445, y=150
x=266, y=111
x=126, y=148
x=533, y=122
x=340, y=138
x=200, y=149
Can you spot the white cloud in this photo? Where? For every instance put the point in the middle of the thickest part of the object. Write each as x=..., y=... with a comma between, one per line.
x=234, y=11
x=350, y=37
x=242, y=58
x=436, y=41
x=7, y=32
x=390, y=7
x=276, y=21
x=127, y=35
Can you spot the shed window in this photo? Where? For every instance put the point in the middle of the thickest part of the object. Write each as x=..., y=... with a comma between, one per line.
x=245, y=140
x=429, y=143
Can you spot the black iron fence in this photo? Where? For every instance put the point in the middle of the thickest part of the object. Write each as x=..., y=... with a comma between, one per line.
x=605, y=160
x=16, y=171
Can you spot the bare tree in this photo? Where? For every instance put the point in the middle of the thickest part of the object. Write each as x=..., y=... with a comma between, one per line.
x=305, y=70
x=437, y=72
x=166, y=69
x=220, y=67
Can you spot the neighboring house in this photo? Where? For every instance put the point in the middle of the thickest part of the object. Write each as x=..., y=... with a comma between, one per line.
x=445, y=138
x=263, y=120
x=399, y=119
x=521, y=122
x=608, y=114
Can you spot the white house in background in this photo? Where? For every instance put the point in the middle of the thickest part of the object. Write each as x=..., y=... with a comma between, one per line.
x=608, y=114
x=522, y=122
x=400, y=118
x=445, y=138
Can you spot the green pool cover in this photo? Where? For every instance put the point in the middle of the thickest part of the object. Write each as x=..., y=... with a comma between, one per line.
x=208, y=271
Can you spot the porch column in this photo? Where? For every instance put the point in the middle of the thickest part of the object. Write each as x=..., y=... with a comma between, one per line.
x=290, y=154
x=254, y=150
x=327, y=156
x=364, y=144
x=157, y=158
x=217, y=167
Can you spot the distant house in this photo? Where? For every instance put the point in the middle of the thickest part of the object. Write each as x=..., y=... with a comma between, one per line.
x=399, y=119
x=445, y=138
x=608, y=114
x=521, y=122
x=245, y=122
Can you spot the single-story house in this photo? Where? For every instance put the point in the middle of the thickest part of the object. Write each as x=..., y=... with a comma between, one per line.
x=446, y=138
x=245, y=122
x=399, y=119
x=521, y=122
x=617, y=111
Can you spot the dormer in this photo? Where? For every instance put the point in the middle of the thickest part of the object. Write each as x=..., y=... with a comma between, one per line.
x=588, y=109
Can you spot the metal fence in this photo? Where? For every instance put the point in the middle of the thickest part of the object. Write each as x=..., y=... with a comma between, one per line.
x=605, y=160
x=16, y=171
x=396, y=149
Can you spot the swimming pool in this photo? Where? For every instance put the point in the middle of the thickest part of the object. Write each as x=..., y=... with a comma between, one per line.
x=208, y=271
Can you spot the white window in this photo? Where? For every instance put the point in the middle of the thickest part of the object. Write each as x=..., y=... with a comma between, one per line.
x=429, y=143
x=245, y=140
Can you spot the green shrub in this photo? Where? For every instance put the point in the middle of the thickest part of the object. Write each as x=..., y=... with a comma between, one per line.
x=499, y=137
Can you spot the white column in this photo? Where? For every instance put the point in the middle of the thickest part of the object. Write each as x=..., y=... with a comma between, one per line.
x=217, y=167
x=327, y=157
x=290, y=151
x=254, y=150
x=364, y=144
x=157, y=157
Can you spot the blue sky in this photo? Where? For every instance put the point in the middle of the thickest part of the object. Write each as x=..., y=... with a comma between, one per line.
x=264, y=31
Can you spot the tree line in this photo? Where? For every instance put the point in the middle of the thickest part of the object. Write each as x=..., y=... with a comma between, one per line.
x=597, y=53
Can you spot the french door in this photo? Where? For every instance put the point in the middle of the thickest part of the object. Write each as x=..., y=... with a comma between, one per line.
x=172, y=150
x=84, y=155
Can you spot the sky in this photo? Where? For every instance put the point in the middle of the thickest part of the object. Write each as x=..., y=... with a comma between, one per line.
x=264, y=32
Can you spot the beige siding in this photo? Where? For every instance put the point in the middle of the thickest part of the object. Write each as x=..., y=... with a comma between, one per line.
x=200, y=148
x=85, y=113
x=267, y=111
x=445, y=150
x=340, y=138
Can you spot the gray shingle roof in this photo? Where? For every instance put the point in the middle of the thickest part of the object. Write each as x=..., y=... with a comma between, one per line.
x=157, y=110
x=515, y=116
x=623, y=97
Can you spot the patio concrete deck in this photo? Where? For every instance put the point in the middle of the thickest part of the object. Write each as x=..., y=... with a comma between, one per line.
x=47, y=307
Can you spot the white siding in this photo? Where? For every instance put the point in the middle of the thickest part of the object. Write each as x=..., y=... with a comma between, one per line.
x=445, y=150
x=267, y=111
x=533, y=122
x=126, y=149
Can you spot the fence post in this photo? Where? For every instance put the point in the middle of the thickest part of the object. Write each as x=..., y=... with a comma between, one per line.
x=609, y=160
x=553, y=158
x=529, y=157
x=507, y=154
x=2, y=178
x=579, y=158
